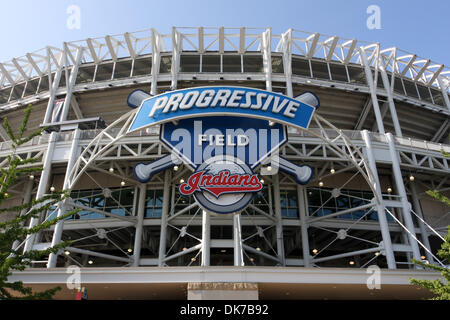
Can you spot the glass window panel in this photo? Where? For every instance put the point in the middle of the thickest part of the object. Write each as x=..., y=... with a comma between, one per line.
x=253, y=63
x=320, y=70
x=142, y=66
x=210, y=63
x=398, y=86
x=165, y=65
x=437, y=96
x=424, y=93
x=104, y=71
x=85, y=74
x=43, y=86
x=277, y=65
x=356, y=74
x=62, y=80
x=31, y=87
x=189, y=63
x=123, y=69
x=300, y=67
x=17, y=91
x=410, y=88
x=231, y=63
x=338, y=72
x=4, y=95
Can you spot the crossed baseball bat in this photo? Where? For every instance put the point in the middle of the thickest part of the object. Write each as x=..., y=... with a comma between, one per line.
x=145, y=171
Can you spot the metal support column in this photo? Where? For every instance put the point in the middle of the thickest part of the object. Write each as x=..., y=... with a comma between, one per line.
x=206, y=234
x=176, y=50
x=237, y=240
x=423, y=228
x=444, y=92
x=266, y=42
x=303, y=214
x=384, y=227
x=156, y=60
x=57, y=233
x=279, y=223
x=42, y=188
x=287, y=60
x=406, y=206
x=372, y=88
x=71, y=84
x=139, y=225
x=53, y=89
x=388, y=87
x=164, y=217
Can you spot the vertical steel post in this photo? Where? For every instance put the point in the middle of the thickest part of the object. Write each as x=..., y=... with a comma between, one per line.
x=406, y=206
x=279, y=222
x=164, y=217
x=206, y=234
x=54, y=88
x=156, y=60
x=57, y=233
x=444, y=92
x=287, y=61
x=372, y=88
x=375, y=181
x=303, y=214
x=266, y=42
x=423, y=229
x=42, y=188
x=388, y=87
x=139, y=225
x=71, y=84
x=237, y=240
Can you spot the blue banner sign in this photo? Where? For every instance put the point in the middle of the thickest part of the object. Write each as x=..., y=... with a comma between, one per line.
x=225, y=101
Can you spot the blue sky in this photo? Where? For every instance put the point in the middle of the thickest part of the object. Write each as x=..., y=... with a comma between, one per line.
x=420, y=27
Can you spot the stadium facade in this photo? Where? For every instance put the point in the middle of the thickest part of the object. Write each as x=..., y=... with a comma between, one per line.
x=374, y=145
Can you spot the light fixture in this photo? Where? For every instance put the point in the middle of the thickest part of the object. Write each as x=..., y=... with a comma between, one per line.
x=377, y=253
x=271, y=123
x=315, y=251
x=411, y=178
x=258, y=249
x=184, y=249
x=262, y=181
x=66, y=252
x=90, y=262
x=422, y=257
x=52, y=189
x=31, y=177
x=193, y=259
x=352, y=262
x=332, y=171
x=308, y=81
x=175, y=168
x=181, y=180
x=269, y=168
x=122, y=183
x=6, y=194
x=111, y=169
x=320, y=183
x=251, y=259
x=130, y=250
x=389, y=189
x=223, y=250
